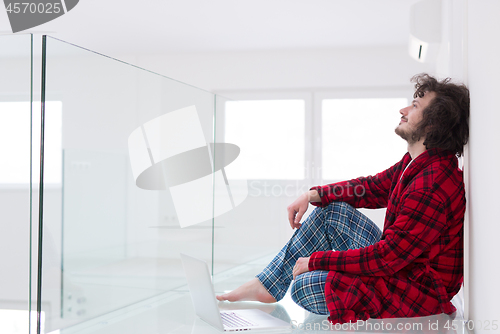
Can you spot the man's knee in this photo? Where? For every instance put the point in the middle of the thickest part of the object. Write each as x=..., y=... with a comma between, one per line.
x=302, y=295
x=297, y=291
x=340, y=206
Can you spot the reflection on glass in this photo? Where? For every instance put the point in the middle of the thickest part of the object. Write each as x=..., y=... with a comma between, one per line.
x=358, y=136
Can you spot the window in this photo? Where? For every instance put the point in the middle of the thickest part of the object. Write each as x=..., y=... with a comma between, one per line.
x=270, y=134
x=358, y=136
x=314, y=138
x=15, y=142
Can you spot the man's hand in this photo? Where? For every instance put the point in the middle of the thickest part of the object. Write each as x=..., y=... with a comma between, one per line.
x=301, y=266
x=297, y=209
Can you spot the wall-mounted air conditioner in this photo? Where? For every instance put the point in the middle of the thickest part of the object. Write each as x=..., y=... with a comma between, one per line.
x=425, y=30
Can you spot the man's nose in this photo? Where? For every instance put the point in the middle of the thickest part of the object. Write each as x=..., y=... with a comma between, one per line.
x=404, y=111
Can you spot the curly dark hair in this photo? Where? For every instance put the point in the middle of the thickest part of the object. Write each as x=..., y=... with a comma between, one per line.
x=445, y=121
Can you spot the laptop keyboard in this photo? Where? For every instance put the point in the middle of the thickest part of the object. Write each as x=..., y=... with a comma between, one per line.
x=231, y=320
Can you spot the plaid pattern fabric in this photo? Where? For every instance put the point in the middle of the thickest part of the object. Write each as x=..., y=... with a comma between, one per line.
x=349, y=228
x=308, y=290
x=417, y=266
x=338, y=226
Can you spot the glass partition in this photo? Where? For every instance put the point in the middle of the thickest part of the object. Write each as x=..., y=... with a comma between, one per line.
x=139, y=168
x=16, y=182
x=131, y=187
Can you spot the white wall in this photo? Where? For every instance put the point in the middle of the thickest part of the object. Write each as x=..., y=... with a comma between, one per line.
x=451, y=58
x=483, y=74
x=384, y=66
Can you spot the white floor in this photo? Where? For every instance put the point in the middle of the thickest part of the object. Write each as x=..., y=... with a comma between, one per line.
x=173, y=312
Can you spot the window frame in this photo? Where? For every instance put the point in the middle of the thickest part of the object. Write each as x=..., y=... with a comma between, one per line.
x=313, y=100
x=266, y=95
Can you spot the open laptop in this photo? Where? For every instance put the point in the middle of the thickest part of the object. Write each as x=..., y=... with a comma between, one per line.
x=206, y=305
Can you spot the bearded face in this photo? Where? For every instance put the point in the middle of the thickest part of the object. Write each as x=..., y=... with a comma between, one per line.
x=411, y=116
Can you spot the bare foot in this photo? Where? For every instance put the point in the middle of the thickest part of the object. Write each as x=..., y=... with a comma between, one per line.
x=252, y=290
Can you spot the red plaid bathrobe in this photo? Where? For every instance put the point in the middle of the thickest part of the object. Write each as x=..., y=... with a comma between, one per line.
x=417, y=266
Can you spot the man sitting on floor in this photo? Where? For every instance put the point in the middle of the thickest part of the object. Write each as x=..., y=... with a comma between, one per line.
x=343, y=265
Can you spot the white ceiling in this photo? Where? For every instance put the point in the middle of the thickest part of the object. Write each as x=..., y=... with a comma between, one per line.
x=165, y=26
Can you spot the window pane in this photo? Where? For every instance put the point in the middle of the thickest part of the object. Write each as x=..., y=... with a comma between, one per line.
x=15, y=138
x=359, y=137
x=270, y=134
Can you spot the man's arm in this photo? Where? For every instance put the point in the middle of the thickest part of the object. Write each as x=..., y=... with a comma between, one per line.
x=370, y=192
x=419, y=224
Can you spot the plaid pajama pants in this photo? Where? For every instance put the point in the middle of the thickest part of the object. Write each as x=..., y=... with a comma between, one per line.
x=336, y=227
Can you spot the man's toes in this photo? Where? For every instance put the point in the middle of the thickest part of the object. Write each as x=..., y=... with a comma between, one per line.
x=221, y=297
